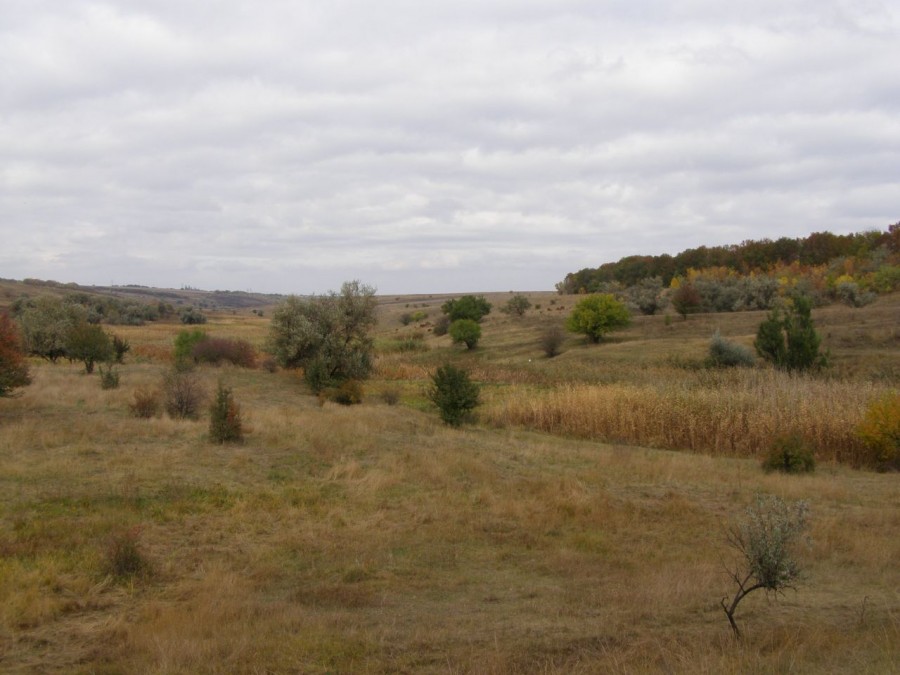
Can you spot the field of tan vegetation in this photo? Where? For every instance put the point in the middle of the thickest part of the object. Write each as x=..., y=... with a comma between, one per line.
x=577, y=527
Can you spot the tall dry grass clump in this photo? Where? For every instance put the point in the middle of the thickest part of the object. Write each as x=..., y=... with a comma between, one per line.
x=735, y=413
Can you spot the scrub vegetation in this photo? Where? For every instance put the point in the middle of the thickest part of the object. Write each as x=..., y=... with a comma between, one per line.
x=590, y=515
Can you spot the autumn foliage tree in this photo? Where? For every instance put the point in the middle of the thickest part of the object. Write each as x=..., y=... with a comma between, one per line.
x=13, y=368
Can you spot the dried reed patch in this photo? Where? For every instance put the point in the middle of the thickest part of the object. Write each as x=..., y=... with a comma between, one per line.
x=735, y=415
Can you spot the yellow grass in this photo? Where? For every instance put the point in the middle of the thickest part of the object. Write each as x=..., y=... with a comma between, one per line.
x=373, y=539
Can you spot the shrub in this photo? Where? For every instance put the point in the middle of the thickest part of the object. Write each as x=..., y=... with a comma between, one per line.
x=185, y=342
x=551, y=341
x=880, y=431
x=223, y=350
x=466, y=331
x=467, y=307
x=269, y=364
x=517, y=305
x=725, y=354
x=328, y=336
x=412, y=342
x=182, y=394
x=441, y=325
x=789, y=454
x=120, y=348
x=850, y=294
x=124, y=558
x=391, y=395
x=109, y=378
x=455, y=395
x=146, y=403
x=686, y=299
x=790, y=341
x=349, y=392
x=88, y=343
x=596, y=315
x=225, y=418
x=766, y=540
x=191, y=316
x=13, y=367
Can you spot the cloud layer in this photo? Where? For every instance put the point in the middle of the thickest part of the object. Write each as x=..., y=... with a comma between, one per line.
x=428, y=147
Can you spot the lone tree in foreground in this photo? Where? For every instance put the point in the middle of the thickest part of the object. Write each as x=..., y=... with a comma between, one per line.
x=327, y=335
x=13, y=368
x=517, y=305
x=766, y=541
x=454, y=394
x=596, y=315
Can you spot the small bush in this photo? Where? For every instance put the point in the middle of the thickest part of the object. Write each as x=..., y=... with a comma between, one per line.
x=412, y=342
x=190, y=315
x=391, y=395
x=269, y=364
x=455, y=395
x=183, y=395
x=146, y=403
x=225, y=418
x=349, y=392
x=517, y=305
x=552, y=340
x=185, y=342
x=880, y=431
x=222, y=350
x=441, y=325
x=725, y=354
x=120, y=348
x=124, y=558
x=466, y=331
x=789, y=454
x=109, y=377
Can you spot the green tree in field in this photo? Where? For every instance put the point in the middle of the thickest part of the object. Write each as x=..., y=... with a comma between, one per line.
x=13, y=368
x=455, y=395
x=517, y=305
x=789, y=340
x=467, y=307
x=465, y=331
x=596, y=315
x=327, y=336
x=46, y=324
x=88, y=343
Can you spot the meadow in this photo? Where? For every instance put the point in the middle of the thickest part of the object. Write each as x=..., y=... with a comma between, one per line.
x=577, y=527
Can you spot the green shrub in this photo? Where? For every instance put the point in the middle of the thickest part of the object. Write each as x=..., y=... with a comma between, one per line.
x=454, y=394
x=120, y=348
x=109, y=377
x=596, y=315
x=467, y=307
x=225, y=418
x=185, y=342
x=725, y=354
x=465, y=331
x=789, y=340
x=516, y=305
x=88, y=343
x=789, y=454
x=189, y=315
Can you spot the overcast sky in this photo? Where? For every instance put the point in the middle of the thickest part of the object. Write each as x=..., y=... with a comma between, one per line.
x=430, y=145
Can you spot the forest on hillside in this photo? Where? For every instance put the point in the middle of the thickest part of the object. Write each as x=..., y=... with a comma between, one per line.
x=826, y=267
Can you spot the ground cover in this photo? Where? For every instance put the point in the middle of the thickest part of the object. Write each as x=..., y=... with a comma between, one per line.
x=372, y=538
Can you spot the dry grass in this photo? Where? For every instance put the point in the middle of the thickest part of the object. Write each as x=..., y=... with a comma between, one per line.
x=372, y=539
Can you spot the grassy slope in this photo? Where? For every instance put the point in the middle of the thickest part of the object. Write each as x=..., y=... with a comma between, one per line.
x=372, y=539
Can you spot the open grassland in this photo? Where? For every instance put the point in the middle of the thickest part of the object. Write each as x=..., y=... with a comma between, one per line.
x=549, y=538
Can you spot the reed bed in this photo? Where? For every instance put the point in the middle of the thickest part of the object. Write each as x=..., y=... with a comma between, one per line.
x=737, y=413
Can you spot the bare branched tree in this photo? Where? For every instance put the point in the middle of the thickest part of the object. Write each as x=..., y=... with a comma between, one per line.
x=766, y=541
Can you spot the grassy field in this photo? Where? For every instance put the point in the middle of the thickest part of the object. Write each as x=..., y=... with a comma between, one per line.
x=579, y=527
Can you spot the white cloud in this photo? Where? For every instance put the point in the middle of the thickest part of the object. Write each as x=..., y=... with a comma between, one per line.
x=432, y=146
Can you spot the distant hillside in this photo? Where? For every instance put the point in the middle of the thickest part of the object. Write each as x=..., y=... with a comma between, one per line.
x=132, y=301
x=846, y=254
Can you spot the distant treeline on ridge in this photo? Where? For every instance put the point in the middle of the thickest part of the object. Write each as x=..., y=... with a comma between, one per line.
x=749, y=257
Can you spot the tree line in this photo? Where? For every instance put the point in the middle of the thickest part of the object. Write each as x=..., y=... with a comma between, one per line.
x=819, y=249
